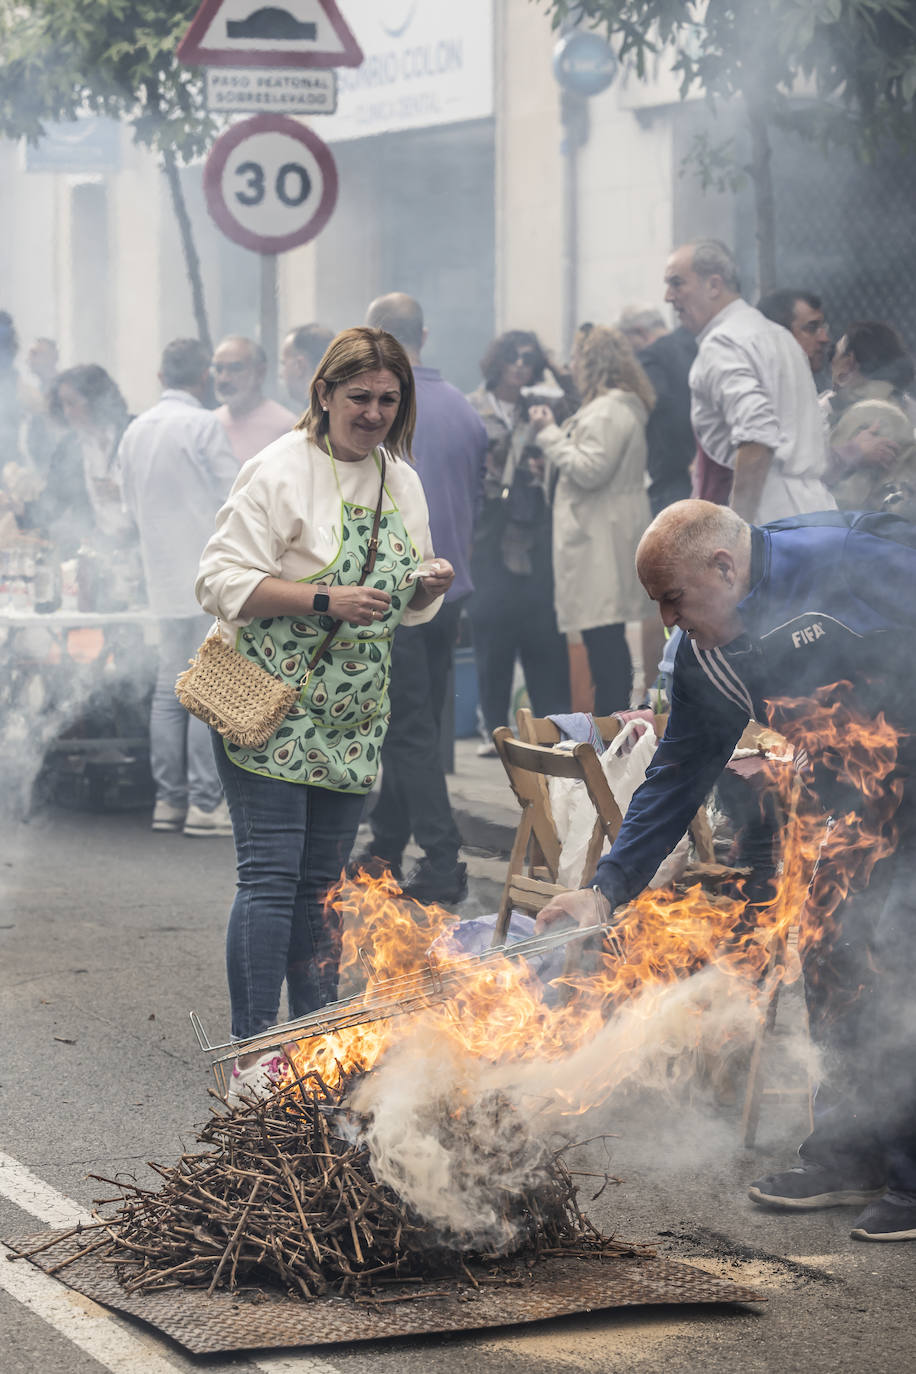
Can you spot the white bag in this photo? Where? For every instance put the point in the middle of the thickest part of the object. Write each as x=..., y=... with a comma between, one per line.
x=624, y=765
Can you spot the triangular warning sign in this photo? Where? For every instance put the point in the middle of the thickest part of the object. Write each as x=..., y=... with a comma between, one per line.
x=269, y=33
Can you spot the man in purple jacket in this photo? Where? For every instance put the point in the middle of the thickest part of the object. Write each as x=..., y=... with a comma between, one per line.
x=449, y=448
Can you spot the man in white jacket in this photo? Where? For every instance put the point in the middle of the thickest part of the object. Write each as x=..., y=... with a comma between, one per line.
x=760, y=435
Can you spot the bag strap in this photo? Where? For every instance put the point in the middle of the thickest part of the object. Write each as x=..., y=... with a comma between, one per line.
x=368, y=566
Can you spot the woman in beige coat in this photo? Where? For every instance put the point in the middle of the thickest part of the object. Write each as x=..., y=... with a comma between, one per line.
x=597, y=470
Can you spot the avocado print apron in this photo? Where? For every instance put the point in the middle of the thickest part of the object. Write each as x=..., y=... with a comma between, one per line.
x=334, y=734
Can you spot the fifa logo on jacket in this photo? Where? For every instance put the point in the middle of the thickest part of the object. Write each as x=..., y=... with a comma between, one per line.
x=808, y=635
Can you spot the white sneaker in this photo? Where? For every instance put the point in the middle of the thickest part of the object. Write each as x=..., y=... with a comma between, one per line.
x=260, y=1079
x=198, y=822
x=487, y=750
x=166, y=817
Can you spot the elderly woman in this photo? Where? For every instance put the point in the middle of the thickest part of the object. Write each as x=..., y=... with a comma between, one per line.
x=600, y=506
x=281, y=571
x=511, y=609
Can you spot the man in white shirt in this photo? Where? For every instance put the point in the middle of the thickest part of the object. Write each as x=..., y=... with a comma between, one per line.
x=761, y=442
x=251, y=419
x=176, y=468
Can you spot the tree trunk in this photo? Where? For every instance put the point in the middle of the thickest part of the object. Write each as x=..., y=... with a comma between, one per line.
x=192, y=261
x=761, y=173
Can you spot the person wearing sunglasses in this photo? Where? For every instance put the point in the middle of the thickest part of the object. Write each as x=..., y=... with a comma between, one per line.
x=512, y=606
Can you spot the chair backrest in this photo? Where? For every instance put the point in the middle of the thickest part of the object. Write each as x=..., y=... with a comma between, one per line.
x=534, y=861
x=541, y=730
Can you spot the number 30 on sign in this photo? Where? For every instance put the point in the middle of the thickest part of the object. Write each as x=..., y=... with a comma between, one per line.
x=270, y=183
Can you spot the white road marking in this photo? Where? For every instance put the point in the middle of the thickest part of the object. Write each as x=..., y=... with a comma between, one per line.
x=100, y=1333
x=83, y=1322
x=28, y=1191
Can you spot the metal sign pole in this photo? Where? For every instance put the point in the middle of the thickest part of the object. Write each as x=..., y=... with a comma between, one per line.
x=269, y=313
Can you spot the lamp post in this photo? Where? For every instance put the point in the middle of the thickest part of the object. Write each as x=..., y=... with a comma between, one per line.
x=583, y=65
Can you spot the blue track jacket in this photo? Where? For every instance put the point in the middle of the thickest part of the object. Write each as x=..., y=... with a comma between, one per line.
x=833, y=598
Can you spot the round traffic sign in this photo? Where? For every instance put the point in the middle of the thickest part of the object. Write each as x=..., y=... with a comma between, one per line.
x=583, y=62
x=270, y=183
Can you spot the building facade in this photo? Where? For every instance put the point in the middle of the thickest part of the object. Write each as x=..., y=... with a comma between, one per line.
x=454, y=165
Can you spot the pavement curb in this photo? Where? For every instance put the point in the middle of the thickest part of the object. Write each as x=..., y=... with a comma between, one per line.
x=482, y=826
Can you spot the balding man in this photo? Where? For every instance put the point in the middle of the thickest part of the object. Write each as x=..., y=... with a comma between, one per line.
x=760, y=435
x=449, y=449
x=251, y=420
x=772, y=614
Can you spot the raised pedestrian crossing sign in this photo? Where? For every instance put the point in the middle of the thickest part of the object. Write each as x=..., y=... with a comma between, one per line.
x=288, y=33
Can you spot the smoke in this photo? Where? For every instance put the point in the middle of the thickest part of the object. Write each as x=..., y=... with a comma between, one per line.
x=63, y=689
x=458, y=1138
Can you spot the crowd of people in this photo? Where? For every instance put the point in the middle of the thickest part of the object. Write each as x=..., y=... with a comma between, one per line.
x=338, y=542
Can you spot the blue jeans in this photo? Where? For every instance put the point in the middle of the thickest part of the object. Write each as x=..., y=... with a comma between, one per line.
x=180, y=756
x=291, y=843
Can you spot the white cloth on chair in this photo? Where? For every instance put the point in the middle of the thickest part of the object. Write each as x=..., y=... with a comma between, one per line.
x=624, y=764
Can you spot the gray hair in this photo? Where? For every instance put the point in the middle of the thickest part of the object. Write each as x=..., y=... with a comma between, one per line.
x=255, y=352
x=184, y=361
x=640, y=319
x=711, y=258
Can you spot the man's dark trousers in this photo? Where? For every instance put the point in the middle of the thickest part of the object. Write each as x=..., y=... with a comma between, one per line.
x=413, y=798
x=859, y=981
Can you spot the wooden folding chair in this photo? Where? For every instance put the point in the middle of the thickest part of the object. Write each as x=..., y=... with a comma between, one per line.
x=541, y=730
x=534, y=861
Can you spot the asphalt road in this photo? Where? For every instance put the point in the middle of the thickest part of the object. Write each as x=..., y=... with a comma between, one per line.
x=109, y=935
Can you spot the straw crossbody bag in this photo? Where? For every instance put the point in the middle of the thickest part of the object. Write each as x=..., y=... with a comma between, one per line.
x=236, y=696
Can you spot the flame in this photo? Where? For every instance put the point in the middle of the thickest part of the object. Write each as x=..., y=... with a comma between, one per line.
x=501, y=1014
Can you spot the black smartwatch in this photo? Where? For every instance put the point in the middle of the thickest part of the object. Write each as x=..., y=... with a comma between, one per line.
x=321, y=602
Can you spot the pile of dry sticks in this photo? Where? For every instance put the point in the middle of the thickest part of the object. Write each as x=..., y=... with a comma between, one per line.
x=285, y=1195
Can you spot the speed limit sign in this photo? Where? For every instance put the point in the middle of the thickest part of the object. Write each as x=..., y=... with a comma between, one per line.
x=270, y=183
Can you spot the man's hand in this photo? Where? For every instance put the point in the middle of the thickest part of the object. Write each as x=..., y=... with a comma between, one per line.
x=585, y=906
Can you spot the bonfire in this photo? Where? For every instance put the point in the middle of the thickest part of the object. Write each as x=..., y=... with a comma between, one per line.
x=432, y=1142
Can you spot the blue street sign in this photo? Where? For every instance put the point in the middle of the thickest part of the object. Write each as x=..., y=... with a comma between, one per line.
x=584, y=63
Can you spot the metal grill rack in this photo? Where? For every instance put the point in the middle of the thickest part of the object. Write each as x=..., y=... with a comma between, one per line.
x=434, y=983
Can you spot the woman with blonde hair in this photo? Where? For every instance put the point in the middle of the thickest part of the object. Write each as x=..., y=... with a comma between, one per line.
x=284, y=574
x=597, y=470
